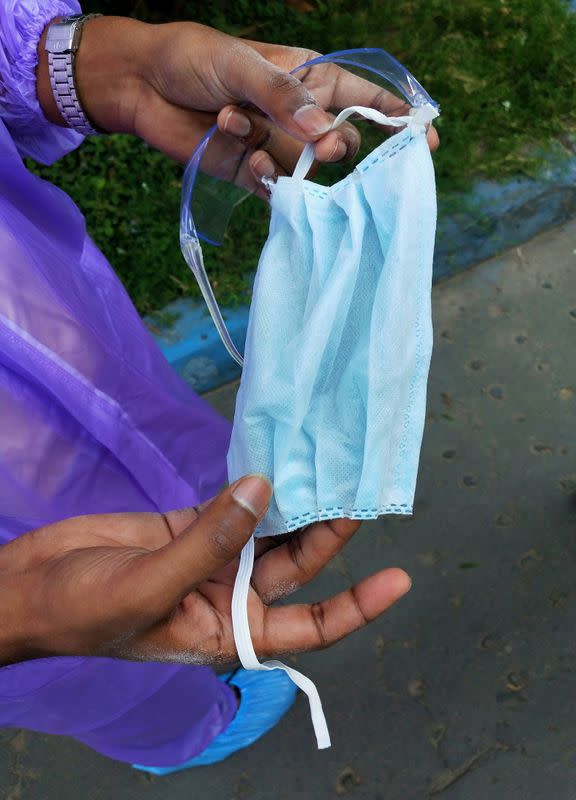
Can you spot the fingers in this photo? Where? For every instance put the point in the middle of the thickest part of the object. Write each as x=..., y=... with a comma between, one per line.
x=433, y=139
x=336, y=87
x=259, y=133
x=310, y=627
x=281, y=96
x=300, y=558
x=275, y=151
x=333, y=86
x=181, y=131
x=269, y=151
x=341, y=144
x=212, y=540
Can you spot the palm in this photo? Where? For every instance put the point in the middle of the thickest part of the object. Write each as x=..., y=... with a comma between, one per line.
x=202, y=622
x=160, y=587
x=98, y=549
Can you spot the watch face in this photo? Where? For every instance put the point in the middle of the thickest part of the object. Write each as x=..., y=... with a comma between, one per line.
x=64, y=36
x=68, y=20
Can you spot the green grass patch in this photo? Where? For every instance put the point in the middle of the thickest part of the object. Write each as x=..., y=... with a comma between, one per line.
x=503, y=71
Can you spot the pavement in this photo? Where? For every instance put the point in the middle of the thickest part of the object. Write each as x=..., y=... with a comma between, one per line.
x=466, y=690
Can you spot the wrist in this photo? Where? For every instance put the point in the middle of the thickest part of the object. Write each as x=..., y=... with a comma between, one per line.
x=108, y=69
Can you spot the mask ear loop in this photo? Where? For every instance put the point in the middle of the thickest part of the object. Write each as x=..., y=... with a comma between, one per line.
x=418, y=117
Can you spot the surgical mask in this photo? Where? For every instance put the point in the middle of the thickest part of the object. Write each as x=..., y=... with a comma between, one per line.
x=332, y=397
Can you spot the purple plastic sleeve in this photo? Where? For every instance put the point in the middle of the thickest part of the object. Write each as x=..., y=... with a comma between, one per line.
x=21, y=26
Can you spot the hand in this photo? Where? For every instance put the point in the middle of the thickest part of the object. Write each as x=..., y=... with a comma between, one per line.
x=170, y=83
x=159, y=587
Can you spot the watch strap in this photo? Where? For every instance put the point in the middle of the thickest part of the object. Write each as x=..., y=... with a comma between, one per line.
x=62, y=80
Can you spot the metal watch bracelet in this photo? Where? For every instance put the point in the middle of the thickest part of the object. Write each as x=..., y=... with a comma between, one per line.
x=62, y=42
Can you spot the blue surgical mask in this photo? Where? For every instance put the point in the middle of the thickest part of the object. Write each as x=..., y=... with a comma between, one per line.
x=332, y=398
x=333, y=390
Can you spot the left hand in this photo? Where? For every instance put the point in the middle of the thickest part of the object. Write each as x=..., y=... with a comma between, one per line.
x=159, y=587
x=170, y=83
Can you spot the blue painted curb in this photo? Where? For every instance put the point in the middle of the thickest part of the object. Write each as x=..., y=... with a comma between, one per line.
x=487, y=220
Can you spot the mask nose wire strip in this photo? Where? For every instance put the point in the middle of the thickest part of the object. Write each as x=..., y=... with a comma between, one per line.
x=240, y=623
x=246, y=652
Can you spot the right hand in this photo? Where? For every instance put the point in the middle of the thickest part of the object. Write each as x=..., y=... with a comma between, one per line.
x=158, y=587
x=170, y=83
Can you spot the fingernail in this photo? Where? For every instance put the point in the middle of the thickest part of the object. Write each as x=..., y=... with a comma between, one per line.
x=312, y=119
x=237, y=124
x=253, y=493
x=264, y=166
x=339, y=151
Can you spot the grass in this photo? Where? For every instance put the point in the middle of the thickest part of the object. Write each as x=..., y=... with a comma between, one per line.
x=504, y=72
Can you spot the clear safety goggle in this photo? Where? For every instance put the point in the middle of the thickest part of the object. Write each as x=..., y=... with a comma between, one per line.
x=209, y=196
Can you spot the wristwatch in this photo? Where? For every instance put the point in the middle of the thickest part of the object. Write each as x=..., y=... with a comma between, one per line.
x=62, y=43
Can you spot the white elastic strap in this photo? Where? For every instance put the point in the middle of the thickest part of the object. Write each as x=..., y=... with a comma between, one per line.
x=420, y=116
x=248, y=657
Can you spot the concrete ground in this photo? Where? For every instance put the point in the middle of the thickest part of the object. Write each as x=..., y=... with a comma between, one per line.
x=467, y=689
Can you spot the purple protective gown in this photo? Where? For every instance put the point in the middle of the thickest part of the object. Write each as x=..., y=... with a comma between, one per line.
x=92, y=419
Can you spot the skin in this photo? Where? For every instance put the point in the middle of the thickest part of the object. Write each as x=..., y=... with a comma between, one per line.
x=168, y=84
x=159, y=586
x=152, y=586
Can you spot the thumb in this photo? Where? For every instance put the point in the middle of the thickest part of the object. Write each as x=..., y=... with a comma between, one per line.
x=213, y=540
x=252, y=78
